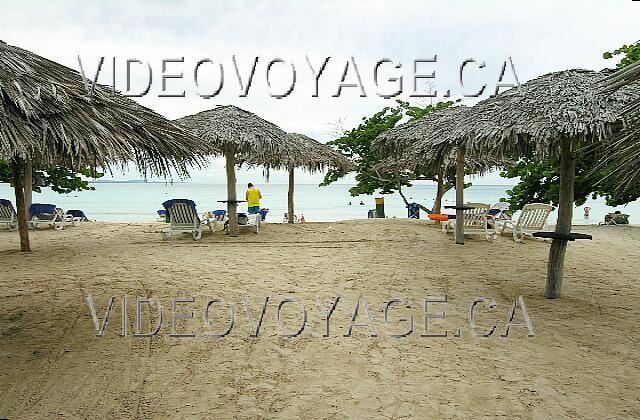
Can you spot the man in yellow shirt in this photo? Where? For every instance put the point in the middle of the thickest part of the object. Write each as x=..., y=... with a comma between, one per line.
x=253, y=199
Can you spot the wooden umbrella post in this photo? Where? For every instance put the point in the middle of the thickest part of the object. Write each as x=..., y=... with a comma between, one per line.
x=460, y=195
x=232, y=205
x=28, y=185
x=18, y=182
x=558, y=249
x=290, y=209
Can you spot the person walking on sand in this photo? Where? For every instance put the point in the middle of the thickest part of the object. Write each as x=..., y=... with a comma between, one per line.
x=253, y=196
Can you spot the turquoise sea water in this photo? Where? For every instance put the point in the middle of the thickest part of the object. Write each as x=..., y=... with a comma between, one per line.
x=139, y=201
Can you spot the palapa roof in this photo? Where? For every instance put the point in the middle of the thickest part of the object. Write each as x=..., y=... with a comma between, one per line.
x=310, y=154
x=623, y=155
x=417, y=146
x=416, y=140
x=47, y=116
x=622, y=77
x=532, y=119
x=229, y=128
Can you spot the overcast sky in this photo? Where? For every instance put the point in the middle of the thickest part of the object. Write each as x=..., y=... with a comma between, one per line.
x=539, y=36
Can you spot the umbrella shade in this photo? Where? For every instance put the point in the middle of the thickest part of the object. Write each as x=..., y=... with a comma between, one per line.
x=47, y=116
x=552, y=114
x=533, y=119
x=308, y=154
x=229, y=128
x=624, y=151
x=423, y=145
x=238, y=133
x=419, y=137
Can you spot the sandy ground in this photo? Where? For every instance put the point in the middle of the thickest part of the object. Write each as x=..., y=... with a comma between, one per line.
x=584, y=360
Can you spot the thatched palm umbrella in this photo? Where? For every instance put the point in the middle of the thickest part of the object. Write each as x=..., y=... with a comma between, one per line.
x=311, y=155
x=552, y=114
x=425, y=141
x=239, y=134
x=624, y=152
x=47, y=116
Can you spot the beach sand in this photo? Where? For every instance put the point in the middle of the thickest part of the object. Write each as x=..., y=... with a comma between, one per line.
x=584, y=360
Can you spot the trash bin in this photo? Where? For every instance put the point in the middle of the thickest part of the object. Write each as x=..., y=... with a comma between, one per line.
x=380, y=207
x=371, y=214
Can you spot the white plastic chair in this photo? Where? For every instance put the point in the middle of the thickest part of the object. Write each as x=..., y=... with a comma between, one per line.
x=474, y=220
x=183, y=218
x=533, y=218
x=55, y=219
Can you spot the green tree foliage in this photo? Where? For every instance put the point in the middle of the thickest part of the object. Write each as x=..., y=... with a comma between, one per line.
x=356, y=144
x=539, y=180
x=630, y=54
x=539, y=183
x=61, y=180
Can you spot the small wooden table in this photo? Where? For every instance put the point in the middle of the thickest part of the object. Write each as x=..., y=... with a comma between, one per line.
x=232, y=201
x=562, y=236
x=459, y=208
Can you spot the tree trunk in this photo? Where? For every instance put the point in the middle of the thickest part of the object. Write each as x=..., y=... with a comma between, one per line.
x=404, y=198
x=558, y=249
x=23, y=228
x=459, y=195
x=28, y=185
x=437, y=204
x=290, y=209
x=232, y=205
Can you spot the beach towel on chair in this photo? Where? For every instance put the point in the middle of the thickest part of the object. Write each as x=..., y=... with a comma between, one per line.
x=36, y=209
x=167, y=204
x=79, y=214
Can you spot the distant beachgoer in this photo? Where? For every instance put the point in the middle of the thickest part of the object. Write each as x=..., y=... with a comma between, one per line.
x=586, y=212
x=253, y=196
x=362, y=203
x=349, y=202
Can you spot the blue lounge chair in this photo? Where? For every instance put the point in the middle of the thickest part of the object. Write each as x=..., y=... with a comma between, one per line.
x=46, y=215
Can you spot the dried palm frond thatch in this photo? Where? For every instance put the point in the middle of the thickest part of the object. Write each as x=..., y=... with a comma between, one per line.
x=535, y=118
x=229, y=128
x=239, y=134
x=48, y=117
x=311, y=155
x=624, y=151
x=418, y=137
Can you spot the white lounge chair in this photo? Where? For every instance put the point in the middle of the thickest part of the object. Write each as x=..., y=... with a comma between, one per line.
x=500, y=211
x=46, y=215
x=285, y=219
x=475, y=221
x=8, y=215
x=253, y=222
x=183, y=218
x=533, y=218
x=75, y=217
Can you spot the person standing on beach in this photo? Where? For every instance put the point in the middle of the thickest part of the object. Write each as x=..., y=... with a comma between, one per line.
x=253, y=196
